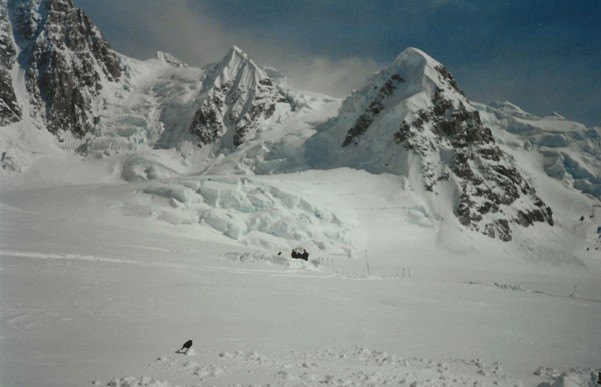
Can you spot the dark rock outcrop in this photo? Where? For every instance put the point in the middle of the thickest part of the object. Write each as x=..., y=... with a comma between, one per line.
x=374, y=108
x=66, y=60
x=9, y=108
x=489, y=182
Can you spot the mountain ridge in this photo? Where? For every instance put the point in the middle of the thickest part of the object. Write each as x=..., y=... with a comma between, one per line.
x=234, y=117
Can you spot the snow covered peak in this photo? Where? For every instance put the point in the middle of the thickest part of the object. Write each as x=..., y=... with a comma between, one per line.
x=236, y=66
x=236, y=51
x=412, y=83
x=412, y=119
x=421, y=72
x=413, y=57
x=240, y=94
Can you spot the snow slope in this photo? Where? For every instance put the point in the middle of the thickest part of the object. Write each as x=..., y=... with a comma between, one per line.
x=98, y=289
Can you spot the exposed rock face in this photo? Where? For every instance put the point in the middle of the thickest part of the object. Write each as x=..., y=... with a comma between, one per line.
x=415, y=107
x=66, y=60
x=240, y=94
x=9, y=108
x=487, y=178
x=375, y=107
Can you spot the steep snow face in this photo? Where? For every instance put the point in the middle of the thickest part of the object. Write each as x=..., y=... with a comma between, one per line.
x=571, y=151
x=413, y=119
x=239, y=96
x=66, y=60
x=369, y=117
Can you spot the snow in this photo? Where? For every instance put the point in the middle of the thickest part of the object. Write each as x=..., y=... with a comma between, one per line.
x=111, y=258
x=571, y=150
x=102, y=281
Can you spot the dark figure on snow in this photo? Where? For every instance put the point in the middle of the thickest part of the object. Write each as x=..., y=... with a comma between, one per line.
x=296, y=253
x=186, y=347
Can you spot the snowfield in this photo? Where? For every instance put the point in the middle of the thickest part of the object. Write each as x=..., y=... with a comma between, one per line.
x=103, y=280
x=166, y=204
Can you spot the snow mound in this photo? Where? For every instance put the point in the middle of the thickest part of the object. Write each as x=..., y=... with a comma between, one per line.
x=357, y=366
x=243, y=209
x=13, y=159
x=130, y=381
x=283, y=259
x=570, y=378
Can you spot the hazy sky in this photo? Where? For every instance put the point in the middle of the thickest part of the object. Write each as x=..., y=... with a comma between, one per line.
x=543, y=55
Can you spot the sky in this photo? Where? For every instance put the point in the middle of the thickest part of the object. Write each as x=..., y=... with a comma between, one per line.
x=543, y=55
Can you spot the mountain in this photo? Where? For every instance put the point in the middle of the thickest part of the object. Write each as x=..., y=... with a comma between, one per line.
x=162, y=119
x=98, y=101
x=66, y=62
x=413, y=119
x=240, y=95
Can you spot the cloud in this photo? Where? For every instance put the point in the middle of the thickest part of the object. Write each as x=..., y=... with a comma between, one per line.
x=498, y=50
x=336, y=77
x=186, y=32
x=191, y=32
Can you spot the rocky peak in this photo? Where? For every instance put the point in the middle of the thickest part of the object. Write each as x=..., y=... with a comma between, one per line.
x=413, y=75
x=60, y=5
x=66, y=60
x=459, y=149
x=238, y=95
x=415, y=110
